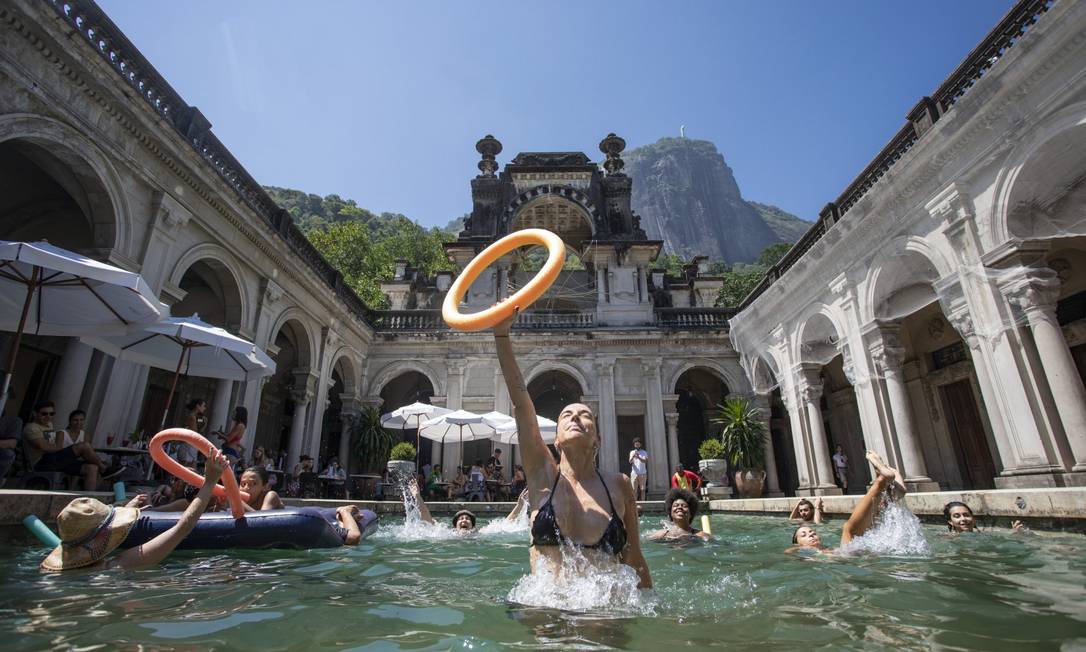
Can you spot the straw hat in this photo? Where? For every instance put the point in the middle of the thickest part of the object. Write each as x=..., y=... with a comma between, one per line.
x=89, y=530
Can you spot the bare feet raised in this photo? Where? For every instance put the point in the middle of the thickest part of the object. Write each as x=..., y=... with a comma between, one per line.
x=886, y=471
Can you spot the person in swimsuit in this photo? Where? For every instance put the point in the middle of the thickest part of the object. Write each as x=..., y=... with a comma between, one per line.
x=682, y=507
x=959, y=519
x=463, y=522
x=807, y=512
x=573, y=502
x=863, y=515
x=231, y=441
x=255, y=483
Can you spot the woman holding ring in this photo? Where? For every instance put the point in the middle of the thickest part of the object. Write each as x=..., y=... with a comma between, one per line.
x=572, y=502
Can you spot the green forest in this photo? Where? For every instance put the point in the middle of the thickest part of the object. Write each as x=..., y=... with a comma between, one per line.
x=364, y=246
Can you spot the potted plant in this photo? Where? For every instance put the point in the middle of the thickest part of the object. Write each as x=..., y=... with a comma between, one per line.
x=401, y=461
x=711, y=463
x=372, y=442
x=744, y=439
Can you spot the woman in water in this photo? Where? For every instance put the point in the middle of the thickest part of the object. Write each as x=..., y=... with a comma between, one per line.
x=959, y=518
x=90, y=530
x=574, y=503
x=863, y=515
x=682, y=507
x=255, y=483
x=805, y=512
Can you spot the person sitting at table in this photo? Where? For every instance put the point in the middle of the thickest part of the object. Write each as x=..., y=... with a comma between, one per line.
x=496, y=460
x=261, y=458
x=520, y=482
x=334, y=471
x=51, y=455
x=456, y=486
x=74, y=433
x=89, y=530
x=255, y=483
x=231, y=441
x=477, y=472
x=434, y=482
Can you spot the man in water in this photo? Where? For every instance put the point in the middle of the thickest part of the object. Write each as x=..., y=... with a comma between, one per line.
x=463, y=522
x=638, y=470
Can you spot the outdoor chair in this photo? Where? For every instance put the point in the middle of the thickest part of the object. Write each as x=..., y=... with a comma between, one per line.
x=475, y=490
x=308, y=485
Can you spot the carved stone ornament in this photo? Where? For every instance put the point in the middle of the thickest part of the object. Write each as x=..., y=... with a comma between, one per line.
x=612, y=146
x=488, y=147
x=272, y=292
x=1035, y=289
x=888, y=359
x=936, y=328
x=963, y=323
x=811, y=393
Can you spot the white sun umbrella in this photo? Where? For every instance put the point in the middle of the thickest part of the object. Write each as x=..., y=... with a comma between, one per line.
x=190, y=346
x=464, y=425
x=410, y=417
x=47, y=290
x=507, y=432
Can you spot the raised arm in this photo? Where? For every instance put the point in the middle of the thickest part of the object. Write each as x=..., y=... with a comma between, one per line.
x=522, y=502
x=424, y=511
x=539, y=466
x=157, y=549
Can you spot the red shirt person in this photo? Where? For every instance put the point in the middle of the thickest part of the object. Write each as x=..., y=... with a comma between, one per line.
x=683, y=479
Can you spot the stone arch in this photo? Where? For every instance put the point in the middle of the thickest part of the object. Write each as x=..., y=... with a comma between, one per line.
x=1059, y=141
x=542, y=367
x=303, y=333
x=553, y=389
x=556, y=195
x=699, y=389
x=818, y=336
x=217, y=268
x=907, y=266
x=387, y=374
x=82, y=170
x=736, y=382
x=344, y=361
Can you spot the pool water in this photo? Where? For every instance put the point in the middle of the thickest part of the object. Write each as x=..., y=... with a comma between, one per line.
x=409, y=589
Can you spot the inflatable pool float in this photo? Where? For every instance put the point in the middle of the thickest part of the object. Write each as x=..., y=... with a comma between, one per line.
x=295, y=527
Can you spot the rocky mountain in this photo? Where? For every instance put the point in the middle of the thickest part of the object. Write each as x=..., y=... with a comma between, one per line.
x=687, y=196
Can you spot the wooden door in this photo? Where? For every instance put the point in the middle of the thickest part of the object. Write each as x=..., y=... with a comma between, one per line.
x=967, y=430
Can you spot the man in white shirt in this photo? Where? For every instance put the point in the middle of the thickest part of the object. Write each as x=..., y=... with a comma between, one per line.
x=840, y=466
x=638, y=470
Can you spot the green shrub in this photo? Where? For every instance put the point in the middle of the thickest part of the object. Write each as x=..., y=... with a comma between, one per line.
x=402, y=451
x=711, y=449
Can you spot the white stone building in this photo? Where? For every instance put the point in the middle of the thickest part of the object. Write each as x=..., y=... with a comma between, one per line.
x=936, y=313
x=99, y=154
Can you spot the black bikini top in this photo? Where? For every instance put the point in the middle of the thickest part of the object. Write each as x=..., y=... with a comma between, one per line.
x=545, y=531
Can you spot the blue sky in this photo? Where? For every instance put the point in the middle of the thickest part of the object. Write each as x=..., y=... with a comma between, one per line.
x=383, y=102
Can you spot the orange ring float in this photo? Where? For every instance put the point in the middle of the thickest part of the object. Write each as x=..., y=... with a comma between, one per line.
x=522, y=298
x=229, y=487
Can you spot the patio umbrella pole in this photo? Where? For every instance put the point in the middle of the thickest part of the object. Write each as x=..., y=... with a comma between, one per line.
x=173, y=385
x=30, y=288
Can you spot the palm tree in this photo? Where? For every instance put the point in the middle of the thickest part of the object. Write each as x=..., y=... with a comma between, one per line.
x=744, y=436
x=372, y=442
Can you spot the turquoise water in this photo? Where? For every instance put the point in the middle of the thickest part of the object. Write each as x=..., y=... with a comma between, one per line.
x=435, y=592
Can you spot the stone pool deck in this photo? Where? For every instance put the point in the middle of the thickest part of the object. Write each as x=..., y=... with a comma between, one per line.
x=1041, y=509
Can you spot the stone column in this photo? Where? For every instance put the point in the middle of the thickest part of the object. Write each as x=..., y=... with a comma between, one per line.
x=454, y=397
x=71, y=376
x=1035, y=294
x=773, y=485
x=601, y=285
x=608, y=425
x=797, y=420
x=656, y=436
x=672, y=419
x=888, y=356
x=302, y=398
x=823, y=470
x=220, y=406
x=643, y=284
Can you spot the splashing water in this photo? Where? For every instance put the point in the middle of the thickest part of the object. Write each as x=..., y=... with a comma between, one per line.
x=897, y=532
x=600, y=584
x=504, y=526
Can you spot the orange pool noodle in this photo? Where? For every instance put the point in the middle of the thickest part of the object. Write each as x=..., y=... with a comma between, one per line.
x=229, y=487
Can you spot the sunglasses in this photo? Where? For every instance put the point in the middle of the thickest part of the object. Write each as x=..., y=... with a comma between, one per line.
x=47, y=414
